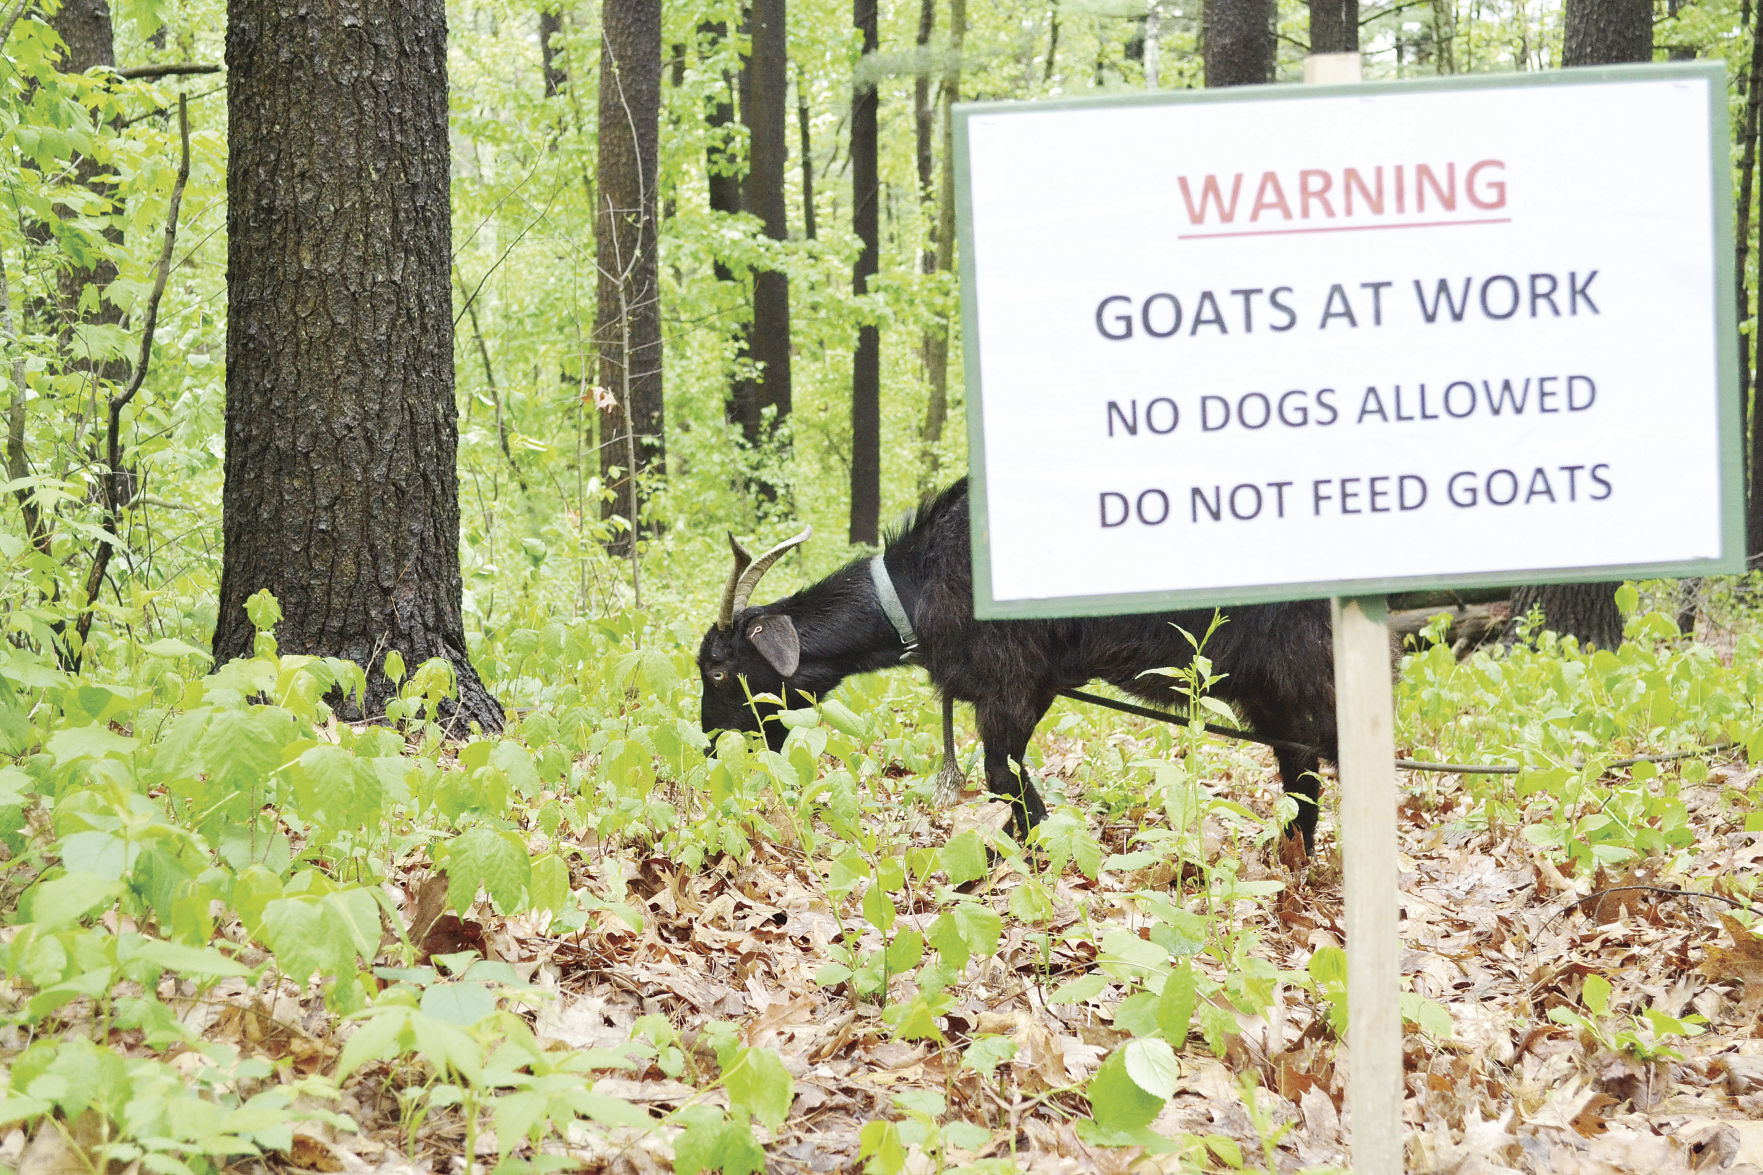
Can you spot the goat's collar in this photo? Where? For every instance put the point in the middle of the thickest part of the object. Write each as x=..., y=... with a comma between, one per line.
x=889, y=599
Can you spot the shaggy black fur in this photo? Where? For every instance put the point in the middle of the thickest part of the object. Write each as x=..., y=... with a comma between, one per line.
x=1278, y=659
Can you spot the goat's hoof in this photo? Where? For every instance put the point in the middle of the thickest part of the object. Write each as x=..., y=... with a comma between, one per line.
x=950, y=784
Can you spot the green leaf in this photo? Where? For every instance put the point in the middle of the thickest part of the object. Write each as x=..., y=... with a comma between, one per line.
x=171, y=647
x=188, y=961
x=550, y=884
x=1076, y=991
x=239, y=749
x=1117, y=1102
x=981, y=927
x=987, y=1053
x=1430, y=1015
x=304, y=937
x=1225, y=1150
x=377, y=1039
x=717, y=1144
x=1152, y=1066
x=72, y=743
x=263, y=611
x=495, y=860
x=1175, y=1006
x=878, y=908
x=614, y=1111
x=963, y=858
x=945, y=936
x=759, y=1085
x=64, y=900
x=1595, y=994
x=461, y=1003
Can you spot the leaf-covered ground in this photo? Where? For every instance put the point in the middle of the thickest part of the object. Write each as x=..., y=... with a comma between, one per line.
x=590, y=946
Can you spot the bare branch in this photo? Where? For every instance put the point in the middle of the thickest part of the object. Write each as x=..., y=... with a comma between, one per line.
x=113, y=476
x=137, y=72
x=6, y=29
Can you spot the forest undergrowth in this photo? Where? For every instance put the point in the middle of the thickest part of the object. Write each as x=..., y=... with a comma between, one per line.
x=242, y=935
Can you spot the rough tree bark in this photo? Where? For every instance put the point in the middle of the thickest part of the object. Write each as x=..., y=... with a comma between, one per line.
x=1607, y=32
x=764, y=91
x=1334, y=26
x=866, y=362
x=1239, y=44
x=627, y=326
x=342, y=492
x=1598, y=32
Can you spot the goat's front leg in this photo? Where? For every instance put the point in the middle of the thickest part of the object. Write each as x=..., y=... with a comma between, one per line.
x=1006, y=740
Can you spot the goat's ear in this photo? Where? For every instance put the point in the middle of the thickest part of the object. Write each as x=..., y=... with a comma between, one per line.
x=775, y=638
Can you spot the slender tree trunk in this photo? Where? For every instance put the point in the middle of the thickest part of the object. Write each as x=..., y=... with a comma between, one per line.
x=84, y=27
x=1742, y=246
x=550, y=26
x=806, y=142
x=866, y=363
x=723, y=168
x=936, y=338
x=1598, y=32
x=342, y=493
x=1754, y=511
x=1052, y=40
x=1334, y=26
x=924, y=123
x=627, y=328
x=1153, y=43
x=765, y=403
x=1239, y=44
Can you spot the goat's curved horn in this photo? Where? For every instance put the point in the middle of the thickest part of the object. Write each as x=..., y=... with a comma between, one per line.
x=743, y=560
x=746, y=578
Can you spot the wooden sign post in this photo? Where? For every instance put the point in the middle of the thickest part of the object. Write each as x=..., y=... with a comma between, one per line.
x=1365, y=715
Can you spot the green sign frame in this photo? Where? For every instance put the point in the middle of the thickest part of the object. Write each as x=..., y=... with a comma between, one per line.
x=1731, y=560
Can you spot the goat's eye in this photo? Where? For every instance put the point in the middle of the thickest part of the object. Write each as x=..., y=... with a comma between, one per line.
x=718, y=676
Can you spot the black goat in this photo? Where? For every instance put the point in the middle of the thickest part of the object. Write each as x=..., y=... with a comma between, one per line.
x=1277, y=659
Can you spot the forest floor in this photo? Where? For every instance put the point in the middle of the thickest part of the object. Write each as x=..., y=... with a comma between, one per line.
x=1492, y=931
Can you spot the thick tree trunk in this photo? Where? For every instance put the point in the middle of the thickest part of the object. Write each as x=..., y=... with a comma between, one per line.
x=342, y=492
x=866, y=362
x=1334, y=26
x=627, y=328
x=1607, y=32
x=1239, y=44
x=1583, y=610
x=1599, y=32
x=765, y=102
